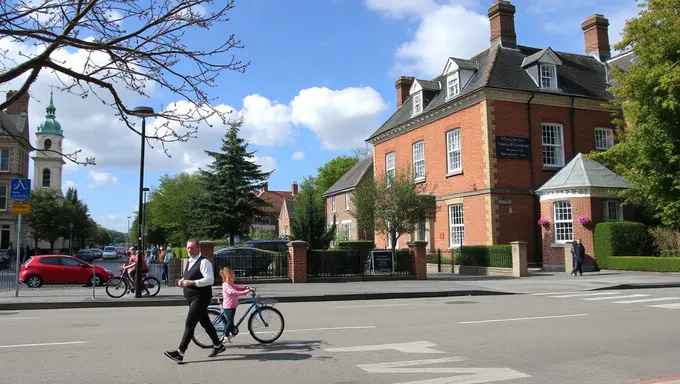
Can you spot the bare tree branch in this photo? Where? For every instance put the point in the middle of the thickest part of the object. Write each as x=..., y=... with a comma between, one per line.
x=130, y=46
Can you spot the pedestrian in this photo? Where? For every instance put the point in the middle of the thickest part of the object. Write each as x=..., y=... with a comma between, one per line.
x=577, y=253
x=167, y=256
x=197, y=283
x=230, y=294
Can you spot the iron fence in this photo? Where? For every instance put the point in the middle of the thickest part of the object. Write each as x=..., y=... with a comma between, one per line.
x=335, y=263
x=403, y=262
x=499, y=256
x=252, y=264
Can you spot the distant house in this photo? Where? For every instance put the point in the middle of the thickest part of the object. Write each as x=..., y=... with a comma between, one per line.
x=286, y=217
x=269, y=222
x=339, y=201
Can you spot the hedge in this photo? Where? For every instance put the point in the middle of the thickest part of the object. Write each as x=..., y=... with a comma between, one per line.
x=644, y=263
x=360, y=246
x=499, y=256
x=620, y=238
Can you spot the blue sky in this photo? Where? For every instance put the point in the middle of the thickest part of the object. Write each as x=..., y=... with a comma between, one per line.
x=321, y=80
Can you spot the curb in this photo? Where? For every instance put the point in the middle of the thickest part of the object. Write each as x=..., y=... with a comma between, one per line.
x=638, y=286
x=180, y=301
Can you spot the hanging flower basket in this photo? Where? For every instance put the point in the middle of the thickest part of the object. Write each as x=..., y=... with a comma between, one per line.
x=543, y=222
x=584, y=220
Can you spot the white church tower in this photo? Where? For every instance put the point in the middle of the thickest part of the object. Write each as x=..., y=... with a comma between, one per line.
x=48, y=166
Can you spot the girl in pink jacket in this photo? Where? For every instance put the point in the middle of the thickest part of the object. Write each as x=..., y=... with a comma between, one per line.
x=230, y=294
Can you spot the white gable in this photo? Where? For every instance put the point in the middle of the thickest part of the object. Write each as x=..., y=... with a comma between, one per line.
x=451, y=66
x=415, y=87
x=547, y=56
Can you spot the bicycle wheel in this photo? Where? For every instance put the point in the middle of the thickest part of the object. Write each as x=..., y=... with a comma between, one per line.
x=152, y=285
x=270, y=319
x=201, y=337
x=116, y=287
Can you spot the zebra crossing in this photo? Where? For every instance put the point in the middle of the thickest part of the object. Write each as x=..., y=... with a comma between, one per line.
x=617, y=298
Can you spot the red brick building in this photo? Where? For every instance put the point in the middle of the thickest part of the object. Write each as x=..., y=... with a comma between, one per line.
x=269, y=221
x=491, y=129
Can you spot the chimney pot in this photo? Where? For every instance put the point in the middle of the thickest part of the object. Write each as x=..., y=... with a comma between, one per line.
x=502, y=23
x=403, y=86
x=596, y=35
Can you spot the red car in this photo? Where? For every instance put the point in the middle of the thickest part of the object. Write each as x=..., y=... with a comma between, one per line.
x=61, y=269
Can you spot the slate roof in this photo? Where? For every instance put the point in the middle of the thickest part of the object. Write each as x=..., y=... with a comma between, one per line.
x=12, y=123
x=352, y=178
x=289, y=205
x=501, y=68
x=584, y=173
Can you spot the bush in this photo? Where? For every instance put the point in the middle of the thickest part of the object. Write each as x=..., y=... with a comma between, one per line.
x=499, y=256
x=644, y=263
x=666, y=241
x=621, y=238
x=433, y=258
x=359, y=246
x=180, y=252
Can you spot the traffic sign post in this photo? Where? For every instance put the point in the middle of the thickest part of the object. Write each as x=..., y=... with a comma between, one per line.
x=20, y=189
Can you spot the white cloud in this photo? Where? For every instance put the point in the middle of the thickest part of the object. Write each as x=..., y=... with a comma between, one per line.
x=69, y=184
x=102, y=179
x=116, y=222
x=449, y=29
x=298, y=155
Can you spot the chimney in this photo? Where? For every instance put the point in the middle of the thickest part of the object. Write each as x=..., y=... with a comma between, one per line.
x=502, y=24
x=403, y=85
x=18, y=107
x=295, y=188
x=596, y=34
x=265, y=187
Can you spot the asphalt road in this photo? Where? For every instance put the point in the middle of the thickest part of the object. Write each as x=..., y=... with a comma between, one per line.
x=596, y=337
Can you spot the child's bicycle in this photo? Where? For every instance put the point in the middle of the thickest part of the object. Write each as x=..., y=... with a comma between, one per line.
x=265, y=315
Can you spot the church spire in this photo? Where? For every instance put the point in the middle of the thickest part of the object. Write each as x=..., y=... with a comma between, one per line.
x=50, y=108
x=50, y=125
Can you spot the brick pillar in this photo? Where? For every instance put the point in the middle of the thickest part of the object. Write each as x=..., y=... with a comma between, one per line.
x=568, y=259
x=419, y=251
x=297, y=262
x=208, y=251
x=519, y=259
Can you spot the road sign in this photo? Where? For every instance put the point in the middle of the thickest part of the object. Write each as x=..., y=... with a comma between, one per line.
x=21, y=209
x=20, y=189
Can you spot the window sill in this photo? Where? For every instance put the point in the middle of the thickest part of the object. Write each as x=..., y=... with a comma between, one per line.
x=455, y=173
x=552, y=167
x=558, y=245
x=419, y=180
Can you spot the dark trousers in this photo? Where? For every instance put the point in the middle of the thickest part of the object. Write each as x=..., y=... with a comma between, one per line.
x=578, y=266
x=229, y=315
x=164, y=273
x=198, y=313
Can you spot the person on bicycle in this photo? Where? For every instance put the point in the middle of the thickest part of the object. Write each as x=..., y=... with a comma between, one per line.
x=132, y=264
x=230, y=294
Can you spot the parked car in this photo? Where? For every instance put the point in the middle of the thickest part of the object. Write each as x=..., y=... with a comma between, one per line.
x=61, y=269
x=268, y=245
x=4, y=259
x=110, y=252
x=244, y=261
x=88, y=255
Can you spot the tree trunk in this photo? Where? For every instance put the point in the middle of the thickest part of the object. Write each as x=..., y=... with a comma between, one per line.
x=231, y=239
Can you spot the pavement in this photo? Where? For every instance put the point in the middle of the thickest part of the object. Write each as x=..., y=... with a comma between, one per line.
x=438, y=285
x=600, y=337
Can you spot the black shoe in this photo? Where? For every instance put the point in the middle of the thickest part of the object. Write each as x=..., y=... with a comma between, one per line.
x=217, y=350
x=174, y=355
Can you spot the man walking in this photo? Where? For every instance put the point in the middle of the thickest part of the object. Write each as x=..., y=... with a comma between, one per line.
x=197, y=283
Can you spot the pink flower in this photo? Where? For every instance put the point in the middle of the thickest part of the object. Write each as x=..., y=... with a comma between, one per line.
x=543, y=221
x=584, y=219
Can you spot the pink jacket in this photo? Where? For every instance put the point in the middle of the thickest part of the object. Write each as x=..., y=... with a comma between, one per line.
x=230, y=294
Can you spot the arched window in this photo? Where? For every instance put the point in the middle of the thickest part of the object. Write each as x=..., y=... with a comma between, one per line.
x=46, y=178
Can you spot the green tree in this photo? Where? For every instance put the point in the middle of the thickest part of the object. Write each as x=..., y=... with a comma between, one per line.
x=228, y=202
x=332, y=171
x=648, y=150
x=309, y=217
x=396, y=205
x=173, y=206
x=45, y=221
x=76, y=212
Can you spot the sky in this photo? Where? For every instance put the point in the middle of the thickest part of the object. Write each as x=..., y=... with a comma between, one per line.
x=321, y=80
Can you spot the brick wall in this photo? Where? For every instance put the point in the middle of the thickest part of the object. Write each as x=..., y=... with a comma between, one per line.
x=342, y=214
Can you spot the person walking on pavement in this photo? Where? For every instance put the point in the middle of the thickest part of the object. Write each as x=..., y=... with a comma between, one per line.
x=197, y=283
x=577, y=253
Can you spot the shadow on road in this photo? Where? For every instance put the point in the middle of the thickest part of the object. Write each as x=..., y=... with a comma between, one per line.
x=255, y=357
x=288, y=345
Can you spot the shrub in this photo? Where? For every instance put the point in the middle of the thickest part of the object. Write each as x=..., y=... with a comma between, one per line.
x=485, y=256
x=433, y=258
x=666, y=241
x=360, y=246
x=644, y=263
x=621, y=238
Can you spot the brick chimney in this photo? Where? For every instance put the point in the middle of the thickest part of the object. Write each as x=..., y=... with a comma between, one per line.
x=502, y=24
x=596, y=34
x=403, y=85
x=295, y=188
x=18, y=106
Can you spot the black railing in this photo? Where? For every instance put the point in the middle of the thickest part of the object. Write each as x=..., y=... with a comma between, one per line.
x=335, y=263
x=499, y=256
x=403, y=262
x=252, y=264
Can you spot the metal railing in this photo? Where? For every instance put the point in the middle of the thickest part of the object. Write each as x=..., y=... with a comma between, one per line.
x=251, y=265
x=335, y=263
x=499, y=256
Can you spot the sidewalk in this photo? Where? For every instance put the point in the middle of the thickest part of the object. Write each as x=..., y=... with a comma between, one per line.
x=438, y=285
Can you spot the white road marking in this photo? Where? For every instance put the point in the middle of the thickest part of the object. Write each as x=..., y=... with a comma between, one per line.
x=555, y=293
x=330, y=328
x=614, y=297
x=522, y=318
x=42, y=344
x=372, y=306
x=588, y=294
x=666, y=306
x=18, y=318
x=412, y=347
x=646, y=300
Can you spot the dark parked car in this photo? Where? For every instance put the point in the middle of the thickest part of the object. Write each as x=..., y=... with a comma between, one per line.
x=268, y=245
x=4, y=259
x=89, y=254
x=245, y=261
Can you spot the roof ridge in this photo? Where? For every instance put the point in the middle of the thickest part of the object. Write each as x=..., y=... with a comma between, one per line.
x=583, y=167
x=492, y=66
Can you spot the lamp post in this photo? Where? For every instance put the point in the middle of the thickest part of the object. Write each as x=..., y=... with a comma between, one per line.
x=146, y=229
x=142, y=112
x=128, y=232
x=70, y=239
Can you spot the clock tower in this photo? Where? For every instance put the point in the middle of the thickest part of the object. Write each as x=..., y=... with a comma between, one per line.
x=48, y=166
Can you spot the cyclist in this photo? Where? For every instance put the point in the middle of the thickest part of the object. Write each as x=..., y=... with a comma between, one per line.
x=132, y=263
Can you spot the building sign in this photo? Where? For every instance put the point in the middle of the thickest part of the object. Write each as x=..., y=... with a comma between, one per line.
x=513, y=147
x=382, y=262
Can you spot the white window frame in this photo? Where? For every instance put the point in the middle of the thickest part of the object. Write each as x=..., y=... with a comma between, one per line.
x=453, y=149
x=347, y=197
x=456, y=225
x=419, y=160
x=618, y=209
x=560, y=210
x=333, y=204
x=557, y=148
x=453, y=85
x=548, y=72
x=417, y=103
x=605, y=135
x=2, y=152
x=4, y=187
x=390, y=166
x=421, y=231
x=348, y=228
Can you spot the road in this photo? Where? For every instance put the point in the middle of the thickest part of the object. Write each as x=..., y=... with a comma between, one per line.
x=595, y=337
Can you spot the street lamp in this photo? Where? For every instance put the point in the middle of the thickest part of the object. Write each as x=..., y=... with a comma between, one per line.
x=142, y=112
x=128, y=232
x=146, y=229
x=70, y=239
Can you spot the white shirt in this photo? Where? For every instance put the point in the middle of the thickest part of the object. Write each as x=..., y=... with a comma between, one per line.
x=206, y=271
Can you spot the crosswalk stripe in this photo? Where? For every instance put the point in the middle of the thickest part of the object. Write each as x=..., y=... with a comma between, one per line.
x=555, y=293
x=588, y=294
x=666, y=306
x=646, y=300
x=614, y=297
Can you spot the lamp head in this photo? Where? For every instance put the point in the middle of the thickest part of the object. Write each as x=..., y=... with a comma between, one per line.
x=143, y=111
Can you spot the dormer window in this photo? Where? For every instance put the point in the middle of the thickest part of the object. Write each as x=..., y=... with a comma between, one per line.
x=418, y=103
x=542, y=67
x=453, y=85
x=548, y=78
